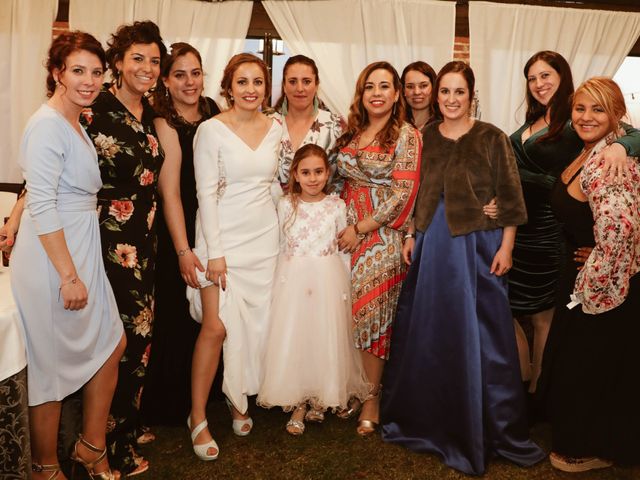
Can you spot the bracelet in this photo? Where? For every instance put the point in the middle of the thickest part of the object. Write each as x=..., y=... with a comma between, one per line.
x=73, y=281
x=182, y=253
x=408, y=236
x=359, y=234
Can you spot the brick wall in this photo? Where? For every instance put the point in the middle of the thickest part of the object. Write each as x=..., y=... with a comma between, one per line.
x=58, y=28
x=461, y=49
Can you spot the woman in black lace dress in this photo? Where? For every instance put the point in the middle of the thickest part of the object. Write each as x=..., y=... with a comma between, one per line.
x=179, y=101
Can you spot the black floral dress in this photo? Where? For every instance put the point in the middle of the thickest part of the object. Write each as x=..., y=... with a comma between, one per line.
x=130, y=158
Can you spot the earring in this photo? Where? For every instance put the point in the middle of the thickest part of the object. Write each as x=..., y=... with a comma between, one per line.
x=118, y=79
x=284, y=108
x=394, y=108
x=316, y=104
x=166, y=93
x=571, y=125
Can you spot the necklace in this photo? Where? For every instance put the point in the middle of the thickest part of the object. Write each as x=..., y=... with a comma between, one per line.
x=576, y=165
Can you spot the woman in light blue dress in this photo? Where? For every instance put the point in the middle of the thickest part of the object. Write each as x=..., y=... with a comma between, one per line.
x=74, y=335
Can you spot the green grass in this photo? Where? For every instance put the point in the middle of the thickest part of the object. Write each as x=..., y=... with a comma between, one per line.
x=329, y=451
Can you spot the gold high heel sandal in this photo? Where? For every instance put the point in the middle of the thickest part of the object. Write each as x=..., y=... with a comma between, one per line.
x=54, y=467
x=367, y=427
x=90, y=466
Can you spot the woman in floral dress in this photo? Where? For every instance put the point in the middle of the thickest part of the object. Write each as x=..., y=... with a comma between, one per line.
x=120, y=123
x=300, y=113
x=379, y=160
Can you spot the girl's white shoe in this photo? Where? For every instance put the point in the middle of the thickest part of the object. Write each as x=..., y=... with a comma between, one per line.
x=201, y=450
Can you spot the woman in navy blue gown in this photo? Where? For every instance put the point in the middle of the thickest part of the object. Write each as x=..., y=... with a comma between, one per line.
x=452, y=385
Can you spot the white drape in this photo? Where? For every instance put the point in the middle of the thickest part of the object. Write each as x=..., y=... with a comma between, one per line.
x=343, y=36
x=25, y=36
x=503, y=37
x=217, y=30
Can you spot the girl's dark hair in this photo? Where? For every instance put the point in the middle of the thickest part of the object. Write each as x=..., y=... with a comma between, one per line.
x=308, y=150
x=64, y=45
x=359, y=118
x=425, y=69
x=296, y=59
x=453, y=67
x=560, y=104
x=162, y=102
x=145, y=33
x=230, y=69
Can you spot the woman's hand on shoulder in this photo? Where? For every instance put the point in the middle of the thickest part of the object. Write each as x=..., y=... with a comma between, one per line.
x=188, y=263
x=615, y=165
x=74, y=294
x=502, y=262
x=217, y=272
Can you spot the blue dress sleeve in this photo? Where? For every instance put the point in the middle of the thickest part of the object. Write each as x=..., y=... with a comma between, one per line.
x=43, y=154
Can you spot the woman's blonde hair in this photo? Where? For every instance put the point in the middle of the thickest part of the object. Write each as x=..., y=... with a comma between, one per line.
x=606, y=93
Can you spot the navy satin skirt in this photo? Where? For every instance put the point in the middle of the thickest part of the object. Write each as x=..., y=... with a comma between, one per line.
x=452, y=383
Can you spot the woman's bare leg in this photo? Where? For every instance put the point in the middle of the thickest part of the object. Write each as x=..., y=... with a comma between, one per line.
x=541, y=324
x=43, y=426
x=206, y=356
x=373, y=367
x=96, y=403
x=523, y=352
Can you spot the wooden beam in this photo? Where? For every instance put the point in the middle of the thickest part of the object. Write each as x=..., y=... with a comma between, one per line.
x=462, y=12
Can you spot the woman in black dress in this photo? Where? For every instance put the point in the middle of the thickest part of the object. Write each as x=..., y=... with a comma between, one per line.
x=179, y=101
x=591, y=361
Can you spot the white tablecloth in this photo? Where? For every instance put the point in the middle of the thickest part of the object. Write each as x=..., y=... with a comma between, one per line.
x=13, y=357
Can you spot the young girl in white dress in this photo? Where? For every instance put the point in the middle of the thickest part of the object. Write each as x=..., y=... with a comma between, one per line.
x=310, y=361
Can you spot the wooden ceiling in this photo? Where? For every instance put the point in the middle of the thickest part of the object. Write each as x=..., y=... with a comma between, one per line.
x=261, y=24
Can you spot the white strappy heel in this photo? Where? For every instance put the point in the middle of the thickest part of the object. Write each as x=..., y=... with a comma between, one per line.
x=201, y=450
x=237, y=425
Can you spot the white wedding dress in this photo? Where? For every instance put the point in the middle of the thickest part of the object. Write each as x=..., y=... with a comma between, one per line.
x=237, y=220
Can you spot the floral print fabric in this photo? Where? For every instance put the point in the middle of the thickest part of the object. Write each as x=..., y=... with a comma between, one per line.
x=130, y=158
x=382, y=184
x=603, y=282
x=15, y=450
x=324, y=132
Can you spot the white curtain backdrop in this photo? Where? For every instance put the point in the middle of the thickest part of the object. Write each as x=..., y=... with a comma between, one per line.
x=503, y=37
x=344, y=36
x=217, y=30
x=25, y=36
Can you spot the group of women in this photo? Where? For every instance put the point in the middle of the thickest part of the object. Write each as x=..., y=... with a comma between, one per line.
x=431, y=193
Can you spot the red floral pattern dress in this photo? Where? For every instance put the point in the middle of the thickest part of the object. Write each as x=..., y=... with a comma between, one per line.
x=130, y=157
x=603, y=282
x=381, y=184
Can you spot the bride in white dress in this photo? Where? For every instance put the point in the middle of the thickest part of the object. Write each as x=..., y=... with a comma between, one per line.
x=235, y=160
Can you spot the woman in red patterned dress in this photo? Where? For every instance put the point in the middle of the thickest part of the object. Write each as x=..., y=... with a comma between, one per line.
x=379, y=162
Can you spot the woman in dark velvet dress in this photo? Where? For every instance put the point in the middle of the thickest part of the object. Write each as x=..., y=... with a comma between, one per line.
x=544, y=146
x=179, y=100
